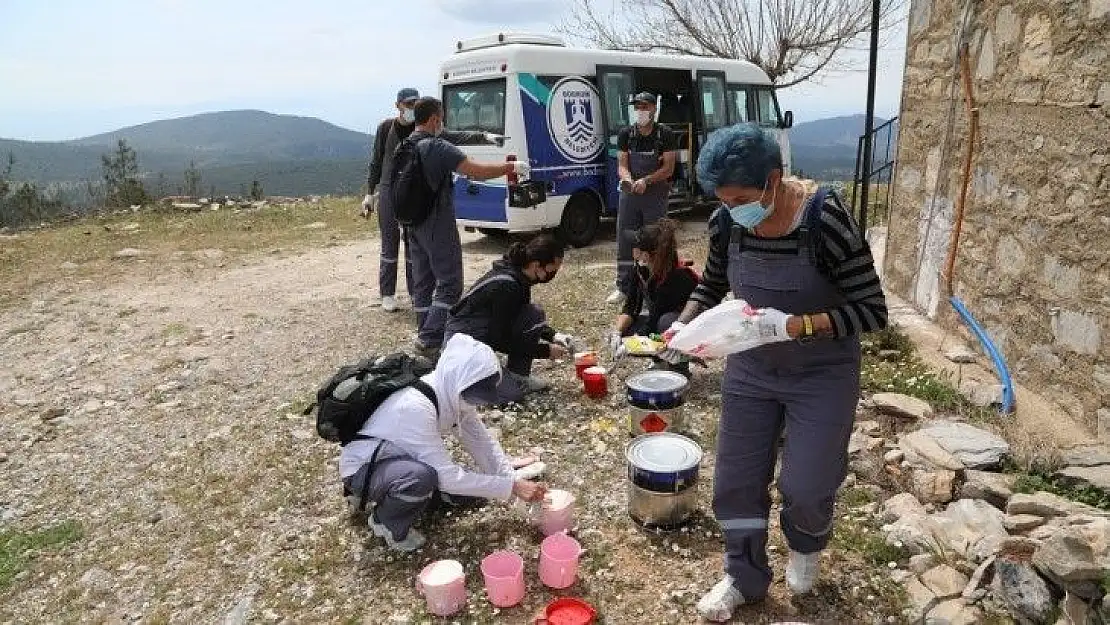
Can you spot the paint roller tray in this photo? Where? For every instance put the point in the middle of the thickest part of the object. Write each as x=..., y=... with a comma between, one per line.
x=642, y=346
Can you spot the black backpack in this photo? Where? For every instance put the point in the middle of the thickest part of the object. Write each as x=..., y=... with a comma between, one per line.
x=346, y=401
x=410, y=195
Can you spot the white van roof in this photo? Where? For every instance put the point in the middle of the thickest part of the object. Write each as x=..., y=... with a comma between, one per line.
x=495, y=55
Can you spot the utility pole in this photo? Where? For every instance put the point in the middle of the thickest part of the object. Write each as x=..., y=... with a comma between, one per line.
x=869, y=124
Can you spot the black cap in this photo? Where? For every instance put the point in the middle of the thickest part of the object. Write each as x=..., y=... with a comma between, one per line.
x=408, y=94
x=642, y=98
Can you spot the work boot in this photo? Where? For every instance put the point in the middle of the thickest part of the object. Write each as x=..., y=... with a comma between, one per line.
x=801, y=571
x=717, y=605
x=389, y=304
x=412, y=542
x=529, y=384
x=615, y=298
x=424, y=351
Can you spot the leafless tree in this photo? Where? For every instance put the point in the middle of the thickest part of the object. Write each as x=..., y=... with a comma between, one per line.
x=792, y=40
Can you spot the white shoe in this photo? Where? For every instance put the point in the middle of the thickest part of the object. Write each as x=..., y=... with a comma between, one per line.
x=720, y=602
x=412, y=542
x=530, y=384
x=801, y=571
x=616, y=297
x=389, y=304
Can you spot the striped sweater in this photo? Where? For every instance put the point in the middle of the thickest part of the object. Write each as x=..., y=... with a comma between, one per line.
x=842, y=252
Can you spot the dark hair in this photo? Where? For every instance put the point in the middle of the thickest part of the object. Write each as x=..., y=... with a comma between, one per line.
x=543, y=249
x=743, y=155
x=658, y=239
x=426, y=107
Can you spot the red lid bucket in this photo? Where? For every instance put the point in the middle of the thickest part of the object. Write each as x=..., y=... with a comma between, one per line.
x=568, y=611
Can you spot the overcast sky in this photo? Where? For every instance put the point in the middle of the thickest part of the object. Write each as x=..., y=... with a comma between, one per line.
x=72, y=68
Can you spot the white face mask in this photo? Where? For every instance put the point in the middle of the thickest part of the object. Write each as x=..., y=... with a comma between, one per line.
x=408, y=116
x=643, y=118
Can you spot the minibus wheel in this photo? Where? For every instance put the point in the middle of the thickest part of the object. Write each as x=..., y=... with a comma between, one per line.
x=581, y=218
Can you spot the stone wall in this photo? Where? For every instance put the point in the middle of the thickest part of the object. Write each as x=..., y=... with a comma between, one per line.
x=1034, y=257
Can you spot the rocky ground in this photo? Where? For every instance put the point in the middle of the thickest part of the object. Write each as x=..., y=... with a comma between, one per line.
x=156, y=466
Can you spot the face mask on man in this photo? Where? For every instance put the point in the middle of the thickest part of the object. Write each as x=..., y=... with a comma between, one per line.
x=752, y=214
x=408, y=116
x=643, y=118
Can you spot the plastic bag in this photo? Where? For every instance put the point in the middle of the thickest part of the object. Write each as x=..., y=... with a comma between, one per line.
x=727, y=328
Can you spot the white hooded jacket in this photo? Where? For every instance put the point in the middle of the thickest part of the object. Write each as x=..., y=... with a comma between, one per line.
x=408, y=419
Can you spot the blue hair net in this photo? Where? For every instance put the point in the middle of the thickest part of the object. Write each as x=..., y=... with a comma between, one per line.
x=742, y=155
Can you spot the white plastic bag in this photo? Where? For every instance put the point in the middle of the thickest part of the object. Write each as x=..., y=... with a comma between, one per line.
x=727, y=328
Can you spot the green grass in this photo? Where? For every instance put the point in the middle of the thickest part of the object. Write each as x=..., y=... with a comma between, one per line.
x=1039, y=480
x=18, y=548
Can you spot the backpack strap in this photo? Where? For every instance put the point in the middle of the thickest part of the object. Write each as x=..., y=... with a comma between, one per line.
x=809, y=233
x=428, y=392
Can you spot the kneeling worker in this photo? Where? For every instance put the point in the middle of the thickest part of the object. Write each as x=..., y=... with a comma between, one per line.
x=403, y=463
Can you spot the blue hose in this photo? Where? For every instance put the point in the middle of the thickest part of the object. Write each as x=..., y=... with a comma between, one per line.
x=999, y=364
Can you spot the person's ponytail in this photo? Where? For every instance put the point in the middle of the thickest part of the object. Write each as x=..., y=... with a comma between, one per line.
x=517, y=255
x=664, y=257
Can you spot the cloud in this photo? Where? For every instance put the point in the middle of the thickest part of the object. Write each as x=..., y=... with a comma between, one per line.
x=504, y=12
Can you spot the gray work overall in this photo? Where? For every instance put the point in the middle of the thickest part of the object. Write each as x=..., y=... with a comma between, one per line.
x=636, y=211
x=811, y=389
x=391, y=245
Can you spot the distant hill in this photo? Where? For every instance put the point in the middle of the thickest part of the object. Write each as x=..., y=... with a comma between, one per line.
x=825, y=149
x=296, y=155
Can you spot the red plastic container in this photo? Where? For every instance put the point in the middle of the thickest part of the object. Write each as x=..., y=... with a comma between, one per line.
x=583, y=361
x=568, y=611
x=595, y=380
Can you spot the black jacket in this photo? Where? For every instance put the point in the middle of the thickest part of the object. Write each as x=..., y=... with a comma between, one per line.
x=487, y=311
x=668, y=296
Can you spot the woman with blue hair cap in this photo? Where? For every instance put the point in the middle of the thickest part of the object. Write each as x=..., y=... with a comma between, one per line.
x=792, y=252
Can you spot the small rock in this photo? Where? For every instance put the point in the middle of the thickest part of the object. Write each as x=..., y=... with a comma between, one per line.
x=900, y=506
x=972, y=589
x=1085, y=456
x=1046, y=504
x=980, y=394
x=316, y=225
x=972, y=528
x=954, y=612
x=975, y=448
x=869, y=427
x=902, y=405
x=894, y=456
x=922, y=562
x=1018, y=523
x=1023, y=592
x=995, y=488
x=1096, y=477
x=961, y=355
x=889, y=355
x=52, y=413
x=3, y=457
x=856, y=443
x=91, y=406
x=944, y=581
x=921, y=600
x=130, y=252
x=934, y=486
x=874, y=443
x=1066, y=557
x=924, y=451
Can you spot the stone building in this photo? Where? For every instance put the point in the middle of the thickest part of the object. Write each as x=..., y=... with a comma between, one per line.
x=1033, y=263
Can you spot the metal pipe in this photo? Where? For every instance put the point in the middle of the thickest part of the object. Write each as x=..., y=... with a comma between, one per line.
x=869, y=124
x=969, y=154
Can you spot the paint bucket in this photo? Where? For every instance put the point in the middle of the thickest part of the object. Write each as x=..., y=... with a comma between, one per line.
x=559, y=561
x=503, y=572
x=568, y=611
x=557, y=512
x=663, y=476
x=443, y=585
x=656, y=389
x=595, y=382
x=583, y=361
x=654, y=420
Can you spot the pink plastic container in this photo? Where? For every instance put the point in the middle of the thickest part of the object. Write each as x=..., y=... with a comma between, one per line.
x=504, y=575
x=443, y=585
x=559, y=561
x=557, y=512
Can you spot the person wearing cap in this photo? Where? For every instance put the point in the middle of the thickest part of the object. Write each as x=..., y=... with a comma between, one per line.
x=390, y=133
x=402, y=465
x=645, y=165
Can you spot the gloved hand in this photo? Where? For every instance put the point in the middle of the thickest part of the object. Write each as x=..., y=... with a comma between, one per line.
x=369, y=204
x=771, y=324
x=616, y=344
x=522, y=169
x=673, y=330
x=495, y=138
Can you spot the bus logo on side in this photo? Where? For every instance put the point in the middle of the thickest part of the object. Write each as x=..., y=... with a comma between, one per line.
x=572, y=115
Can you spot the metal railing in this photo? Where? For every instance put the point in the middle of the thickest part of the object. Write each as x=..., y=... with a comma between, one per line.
x=881, y=170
